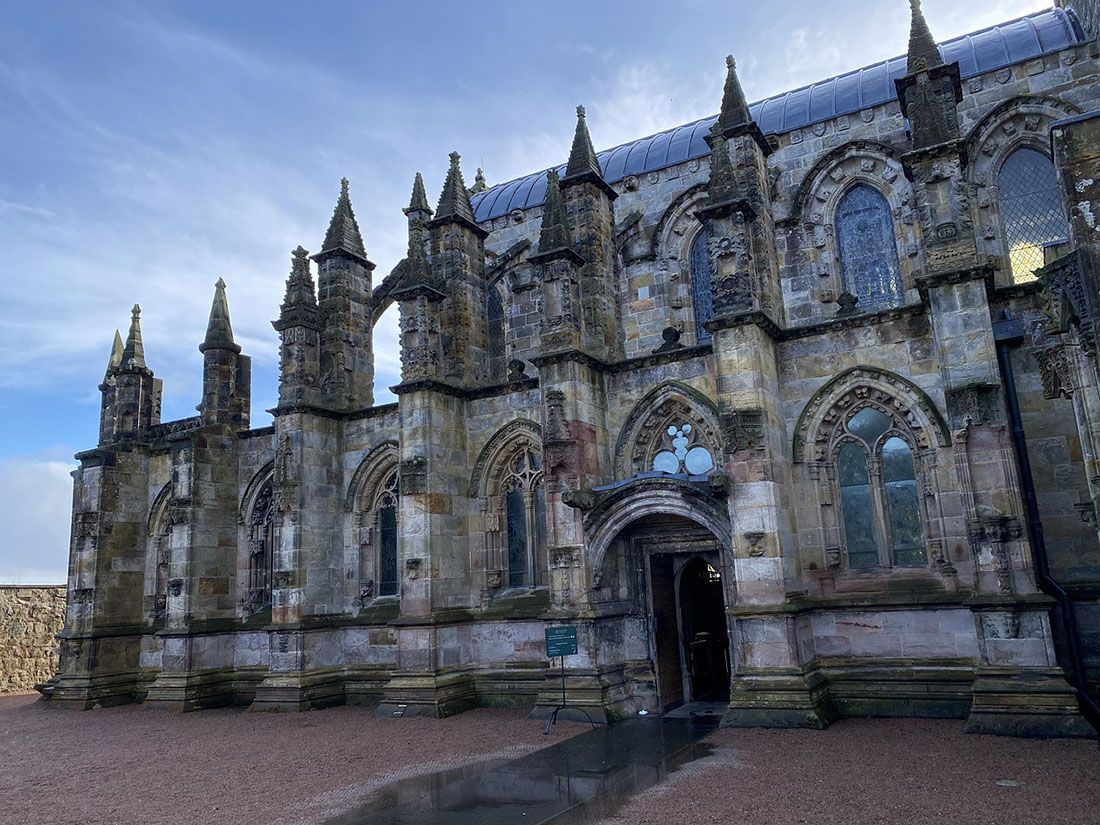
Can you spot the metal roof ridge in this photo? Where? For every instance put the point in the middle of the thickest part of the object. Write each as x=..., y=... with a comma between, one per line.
x=1066, y=16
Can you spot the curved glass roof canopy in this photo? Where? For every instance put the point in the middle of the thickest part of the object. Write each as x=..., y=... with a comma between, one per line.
x=978, y=53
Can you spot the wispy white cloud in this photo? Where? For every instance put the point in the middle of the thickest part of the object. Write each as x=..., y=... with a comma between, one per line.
x=36, y=495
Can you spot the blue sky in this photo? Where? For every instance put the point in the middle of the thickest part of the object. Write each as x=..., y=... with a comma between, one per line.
x=149, y=148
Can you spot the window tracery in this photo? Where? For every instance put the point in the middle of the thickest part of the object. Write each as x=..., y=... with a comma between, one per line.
x=702, y=298
x=378, y=560
x=525, y=514
x=160, y=556
x=1031, y=209
x=878, y=493
x=373, y=501
x=1010, y=227
x=261, y=547
x=682, y=453
x=875, y=265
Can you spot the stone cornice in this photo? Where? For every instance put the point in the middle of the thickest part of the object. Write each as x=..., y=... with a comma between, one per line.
x=753, y=317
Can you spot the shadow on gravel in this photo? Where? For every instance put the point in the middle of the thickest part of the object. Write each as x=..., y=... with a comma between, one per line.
x=582, y=779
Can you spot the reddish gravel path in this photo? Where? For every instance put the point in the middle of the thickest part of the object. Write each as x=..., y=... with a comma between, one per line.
x=128, y=765
x=858, y=772
x=124, y=765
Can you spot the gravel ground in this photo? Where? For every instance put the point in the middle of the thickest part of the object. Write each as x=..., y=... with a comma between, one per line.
x=858, y=772
x=129, y=765
x=123, y=765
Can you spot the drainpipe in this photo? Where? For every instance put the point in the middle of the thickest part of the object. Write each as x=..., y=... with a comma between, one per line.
x=1006, y=333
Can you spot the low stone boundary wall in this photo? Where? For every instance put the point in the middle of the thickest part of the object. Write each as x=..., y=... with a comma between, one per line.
x=30, y=618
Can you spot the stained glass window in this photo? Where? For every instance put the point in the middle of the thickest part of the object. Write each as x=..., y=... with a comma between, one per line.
x=497, y=331
x=701, y=297
x=1031, y=210
x=881, y=509
x=855, y=498
x=387, y=567
x=379, y=562
x=868, y=249
x=902, y=507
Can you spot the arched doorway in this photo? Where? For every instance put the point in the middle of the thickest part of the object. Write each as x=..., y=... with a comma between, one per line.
x=671, y=573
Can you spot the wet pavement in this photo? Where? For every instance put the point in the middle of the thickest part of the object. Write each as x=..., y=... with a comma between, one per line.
x=579, y=780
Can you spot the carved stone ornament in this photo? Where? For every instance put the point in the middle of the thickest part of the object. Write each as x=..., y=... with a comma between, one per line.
x=975, y=405
x=366, y=592
x=412, y=568
x=555, y=416
x=1056, y=372
x=175, y=587
x=744, y=430
x=754, y=544
x=282, y=579
x=1068, y=299
x=414, y=476
x=832, y=558
x=846, y=304
x=494, y=579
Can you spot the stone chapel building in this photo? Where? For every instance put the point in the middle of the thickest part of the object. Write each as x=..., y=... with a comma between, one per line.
x=795, y=408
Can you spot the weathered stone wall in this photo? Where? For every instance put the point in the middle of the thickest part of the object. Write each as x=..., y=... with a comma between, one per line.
x=30, y=618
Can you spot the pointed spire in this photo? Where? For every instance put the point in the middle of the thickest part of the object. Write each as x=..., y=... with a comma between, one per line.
x=722, y=187
x=735, y=109
x=582, y=157
x=923, y=54
x=133, y=354
x=419, y=200
x=343, y=231
x=299, y=286
x=116, y=353
x=219, y=332
x=555, y=232
x=454, y=201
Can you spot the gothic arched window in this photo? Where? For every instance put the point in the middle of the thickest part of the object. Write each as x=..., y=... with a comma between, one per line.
x=878, y=494
x=702, y=300
x=160, y=536
x=261, y=548
x=868, y=249
x=497, y=331
x=1030, y=208
x=525, y=515
x=378, y=569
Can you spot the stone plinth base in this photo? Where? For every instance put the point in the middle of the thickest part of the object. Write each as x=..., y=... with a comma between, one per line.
x=607, y=694
x=779, y=698
x=427, y=694
x=1034, y=702
x=196, y=690
x=298, y=691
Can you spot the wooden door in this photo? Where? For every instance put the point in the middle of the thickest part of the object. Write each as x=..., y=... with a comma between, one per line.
x=670, y=680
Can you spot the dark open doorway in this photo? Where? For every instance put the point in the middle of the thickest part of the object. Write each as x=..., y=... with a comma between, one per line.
x=703, y=631
x=691, y=642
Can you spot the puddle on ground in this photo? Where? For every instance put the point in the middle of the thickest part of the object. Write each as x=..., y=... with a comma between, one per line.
x=580, y=780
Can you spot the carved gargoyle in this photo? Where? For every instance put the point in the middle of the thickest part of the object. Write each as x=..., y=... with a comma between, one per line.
x=579, y=499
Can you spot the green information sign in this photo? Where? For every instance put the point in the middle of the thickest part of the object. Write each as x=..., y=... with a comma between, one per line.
x=561, y=641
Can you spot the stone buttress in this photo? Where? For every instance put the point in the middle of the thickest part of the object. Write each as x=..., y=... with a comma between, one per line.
x=1018, y=683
